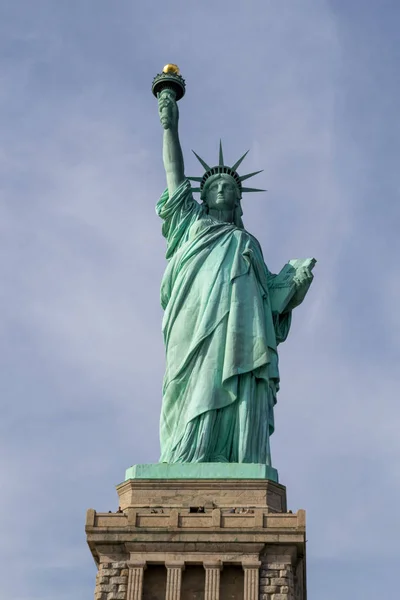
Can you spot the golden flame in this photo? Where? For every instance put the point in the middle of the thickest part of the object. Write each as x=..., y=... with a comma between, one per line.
x=170, y=68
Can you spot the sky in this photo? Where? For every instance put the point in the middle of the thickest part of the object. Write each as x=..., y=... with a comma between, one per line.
x=311, y=87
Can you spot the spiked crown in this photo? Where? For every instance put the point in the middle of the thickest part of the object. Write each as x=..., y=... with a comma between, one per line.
x=223, y=169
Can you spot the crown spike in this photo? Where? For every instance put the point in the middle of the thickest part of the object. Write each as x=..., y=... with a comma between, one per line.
x=235, y=166
x=199, y=179
x=194, y=189
x=201, y=161
x=221, y=154
x=247, y=189
x=243, y=177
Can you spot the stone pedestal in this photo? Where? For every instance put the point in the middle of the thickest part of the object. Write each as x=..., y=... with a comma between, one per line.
x=199, y=540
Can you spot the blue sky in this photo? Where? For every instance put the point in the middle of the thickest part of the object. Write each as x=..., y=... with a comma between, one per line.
x=312, y=88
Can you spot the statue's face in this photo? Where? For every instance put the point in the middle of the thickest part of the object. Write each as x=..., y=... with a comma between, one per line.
x=221, y=192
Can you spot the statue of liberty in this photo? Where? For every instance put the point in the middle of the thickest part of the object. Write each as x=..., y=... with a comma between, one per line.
x=225, y=312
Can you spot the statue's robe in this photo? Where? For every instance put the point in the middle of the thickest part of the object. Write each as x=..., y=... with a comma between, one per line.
x=221, y=339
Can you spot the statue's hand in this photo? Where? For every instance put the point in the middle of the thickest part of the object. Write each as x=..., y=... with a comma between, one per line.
x=303, y=281
x=168, y=110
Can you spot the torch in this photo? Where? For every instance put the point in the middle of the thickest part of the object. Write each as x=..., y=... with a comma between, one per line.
x=169, y=79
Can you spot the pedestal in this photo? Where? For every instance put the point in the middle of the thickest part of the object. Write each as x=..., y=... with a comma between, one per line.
x=210, y=539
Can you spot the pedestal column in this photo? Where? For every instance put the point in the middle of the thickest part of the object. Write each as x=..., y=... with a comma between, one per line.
x=174, y=580
x=251, y=578
x=212, y=580
x=135, y=580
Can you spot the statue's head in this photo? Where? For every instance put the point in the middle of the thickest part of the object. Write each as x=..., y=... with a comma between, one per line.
x=221, y=186
x=221, y=192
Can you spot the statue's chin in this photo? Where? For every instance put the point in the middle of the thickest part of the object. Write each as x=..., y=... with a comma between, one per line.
x=221, y=205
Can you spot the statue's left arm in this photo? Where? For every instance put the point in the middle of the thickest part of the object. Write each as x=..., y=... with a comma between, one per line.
x=282, y=318
x=303, y=280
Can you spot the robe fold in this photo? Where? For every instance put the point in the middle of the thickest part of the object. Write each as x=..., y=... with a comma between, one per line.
x=221, y=337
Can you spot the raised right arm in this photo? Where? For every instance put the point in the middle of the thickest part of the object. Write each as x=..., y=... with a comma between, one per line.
x=172, y=151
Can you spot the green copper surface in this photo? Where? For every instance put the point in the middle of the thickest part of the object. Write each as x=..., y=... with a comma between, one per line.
x=225, y=315
x=202, y=471
x=221, y=168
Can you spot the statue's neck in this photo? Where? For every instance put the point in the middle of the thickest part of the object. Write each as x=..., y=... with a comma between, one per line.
x=226, y=216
